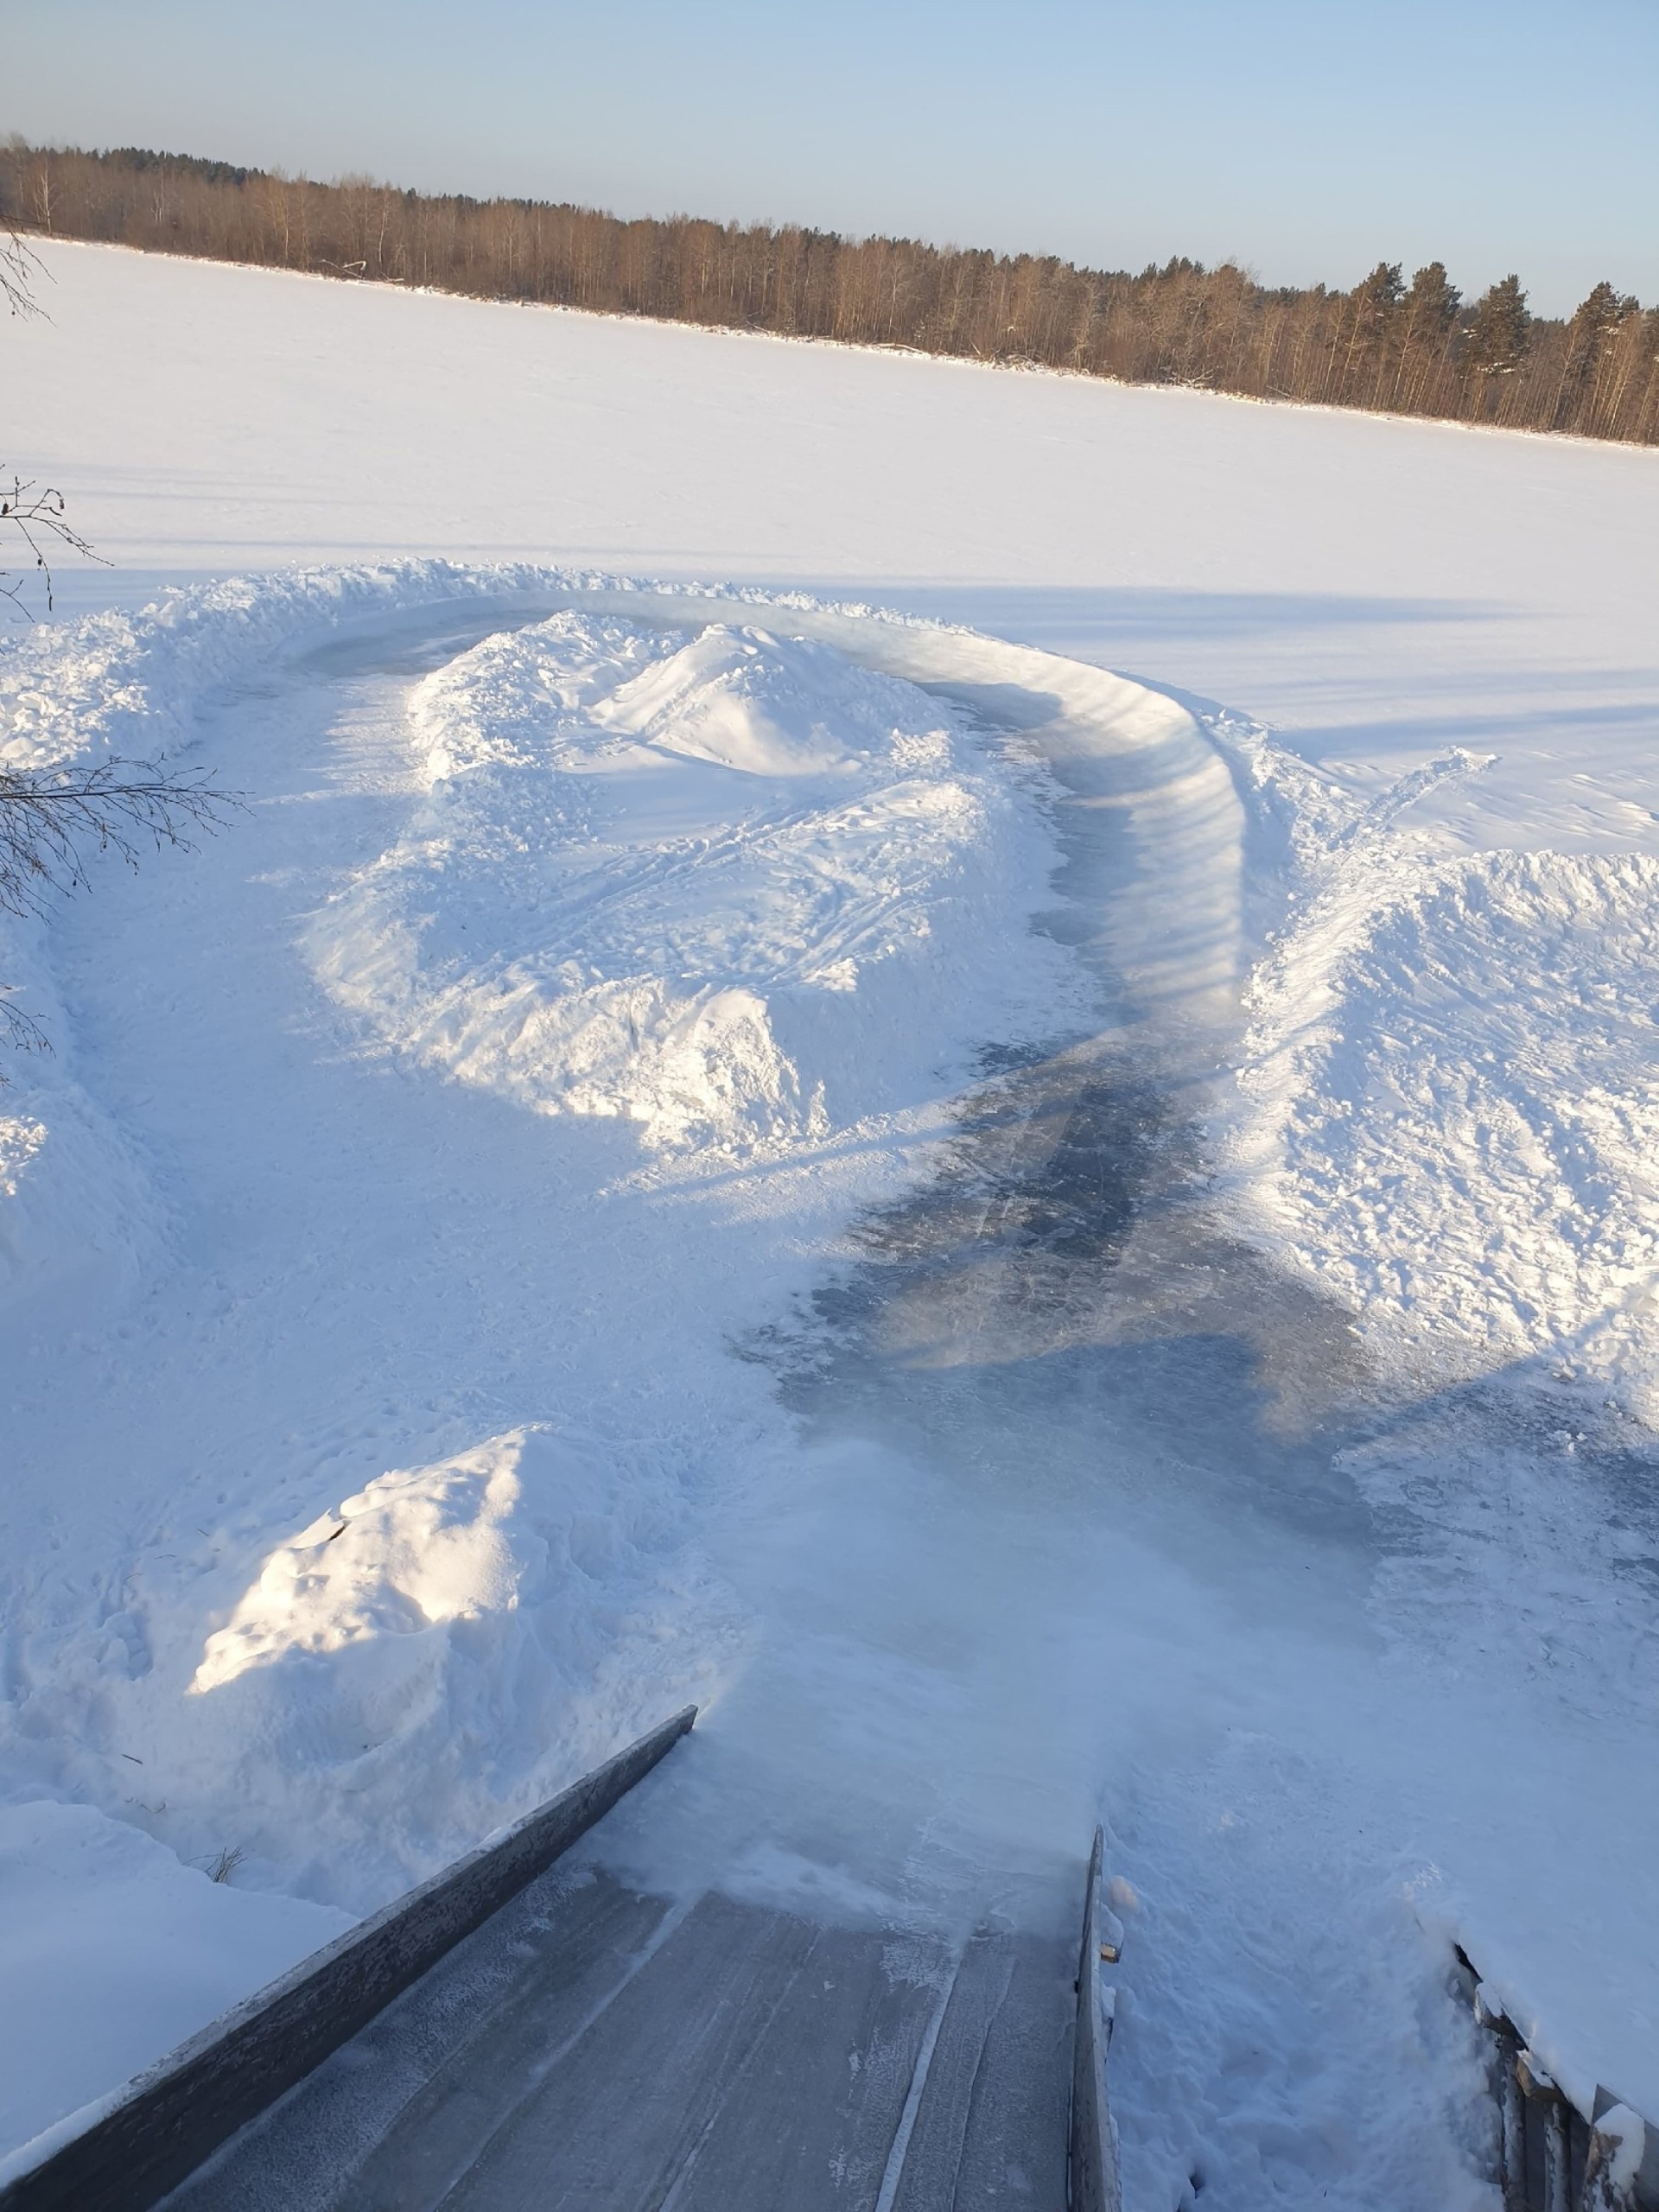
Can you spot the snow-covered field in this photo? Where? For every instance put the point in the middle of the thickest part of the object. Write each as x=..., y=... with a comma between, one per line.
x=1047, y=1245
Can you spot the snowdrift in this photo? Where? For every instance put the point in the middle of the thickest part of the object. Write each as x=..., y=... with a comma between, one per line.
x=700, y=885
x=1449, y=1086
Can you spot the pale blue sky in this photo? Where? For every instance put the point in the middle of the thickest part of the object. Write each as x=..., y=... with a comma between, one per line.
x=1307, y=141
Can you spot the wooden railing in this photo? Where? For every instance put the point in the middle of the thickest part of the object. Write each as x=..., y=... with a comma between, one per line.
x=1092, y=2156
x=167, y=2121
x=1551, y=2157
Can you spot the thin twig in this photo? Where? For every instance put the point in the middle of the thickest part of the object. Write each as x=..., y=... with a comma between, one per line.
x=49, y=821
x=52, y=822
x=21, y=269
x=35, y=513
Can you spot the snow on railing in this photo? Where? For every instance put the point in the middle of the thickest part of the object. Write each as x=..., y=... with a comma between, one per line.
x=1553, y=2157
x=1092, y=2151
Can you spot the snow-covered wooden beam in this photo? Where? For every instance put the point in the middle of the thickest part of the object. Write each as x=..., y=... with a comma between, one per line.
x=146, y=2138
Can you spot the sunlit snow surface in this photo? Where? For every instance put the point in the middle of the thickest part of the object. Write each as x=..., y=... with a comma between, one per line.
x=435, y=1294
x=645, y=864
x=1039, y=1254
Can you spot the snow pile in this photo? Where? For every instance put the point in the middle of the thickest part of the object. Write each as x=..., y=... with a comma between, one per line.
x=133, y=684
x=72, y=1211
x=725, y=888
x=114, y=1951
x=413, y=1551
x=1452, y=1073
x=20, y=1139
x=444, y=1621
x=741, y=699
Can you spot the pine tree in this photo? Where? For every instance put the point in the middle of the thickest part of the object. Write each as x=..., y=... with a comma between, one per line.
x=1499, y=330
x=1591, y=336
x=1374, y=309
x=1428, y=316
x=1596, y=321
x=1433, y=301
x=1376, y=297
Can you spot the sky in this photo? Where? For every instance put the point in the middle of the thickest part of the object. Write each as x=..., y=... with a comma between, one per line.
x=1306, y=139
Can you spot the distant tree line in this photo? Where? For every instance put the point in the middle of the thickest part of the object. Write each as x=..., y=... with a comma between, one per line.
x=1397, y=345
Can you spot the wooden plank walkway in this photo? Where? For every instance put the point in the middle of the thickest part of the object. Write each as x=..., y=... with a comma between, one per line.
x=591, y=2046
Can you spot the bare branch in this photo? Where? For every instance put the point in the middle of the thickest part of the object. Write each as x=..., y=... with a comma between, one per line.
x=19, y=1030
x=52, y=822
x=21, y=269
x=36, y=514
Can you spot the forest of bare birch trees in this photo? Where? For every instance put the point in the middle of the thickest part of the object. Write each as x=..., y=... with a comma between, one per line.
x=1397, y=344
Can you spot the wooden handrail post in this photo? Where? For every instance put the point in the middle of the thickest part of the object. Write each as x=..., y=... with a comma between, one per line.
x=1091, y=2165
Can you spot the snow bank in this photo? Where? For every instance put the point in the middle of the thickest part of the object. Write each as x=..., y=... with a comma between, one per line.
x=76, y=1215
x=444, y=1622
x=721, y=888
x=1451, y=1079
x=433, y=1546
x=1278, y=2039
x=112, y=1952
x=79, y=1218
